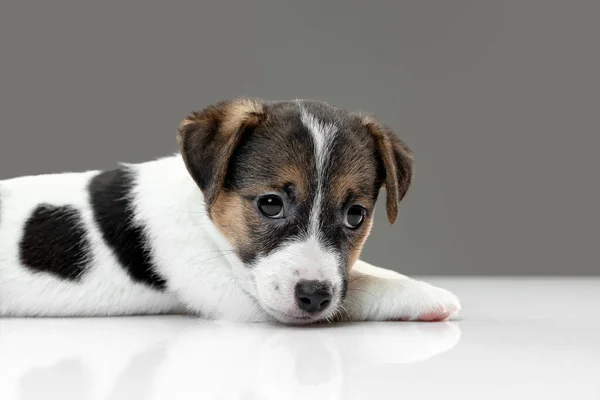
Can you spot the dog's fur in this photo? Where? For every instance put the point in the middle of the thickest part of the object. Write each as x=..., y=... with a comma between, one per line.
x=186, y=233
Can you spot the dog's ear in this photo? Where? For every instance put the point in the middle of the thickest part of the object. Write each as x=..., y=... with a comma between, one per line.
x=397, y=162
x=208, y=138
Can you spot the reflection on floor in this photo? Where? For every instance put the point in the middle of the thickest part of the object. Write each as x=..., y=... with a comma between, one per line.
x=517, y=338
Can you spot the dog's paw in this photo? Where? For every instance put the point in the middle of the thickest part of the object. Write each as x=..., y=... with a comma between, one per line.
x=420, y=301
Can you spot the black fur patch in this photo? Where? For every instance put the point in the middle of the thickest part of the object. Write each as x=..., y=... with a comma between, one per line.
x=55, y=242
x=113, y=211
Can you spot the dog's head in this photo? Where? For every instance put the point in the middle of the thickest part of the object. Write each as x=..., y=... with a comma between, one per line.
x=292, y=186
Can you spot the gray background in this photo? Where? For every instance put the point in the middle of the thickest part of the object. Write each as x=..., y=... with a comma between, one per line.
x=498, y=99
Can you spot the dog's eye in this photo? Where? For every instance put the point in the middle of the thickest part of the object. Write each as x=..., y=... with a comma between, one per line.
x=271, y=206
x=354, y=217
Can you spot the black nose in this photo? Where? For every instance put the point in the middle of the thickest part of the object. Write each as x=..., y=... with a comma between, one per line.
x=313, y=296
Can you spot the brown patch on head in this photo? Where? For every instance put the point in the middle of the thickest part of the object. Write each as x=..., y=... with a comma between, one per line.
x=358, y=182
x=230, y=115
x=239, y=113
x=284, y=177
x=397, y=160
x=227, y=214
x=296, y=176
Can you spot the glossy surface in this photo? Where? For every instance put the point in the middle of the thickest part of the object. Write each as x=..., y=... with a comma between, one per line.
x=516, y=338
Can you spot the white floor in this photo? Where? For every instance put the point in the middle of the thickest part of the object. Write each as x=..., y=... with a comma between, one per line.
x=516, y=339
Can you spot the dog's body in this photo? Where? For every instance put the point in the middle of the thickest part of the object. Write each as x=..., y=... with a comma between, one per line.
x=210, y=232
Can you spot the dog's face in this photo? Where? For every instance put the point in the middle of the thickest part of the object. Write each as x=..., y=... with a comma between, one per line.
x=293, y=186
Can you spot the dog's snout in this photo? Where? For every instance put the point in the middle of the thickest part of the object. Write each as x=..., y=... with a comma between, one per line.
x=313, y=296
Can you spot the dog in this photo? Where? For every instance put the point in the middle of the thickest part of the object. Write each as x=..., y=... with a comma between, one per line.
x=261, y=216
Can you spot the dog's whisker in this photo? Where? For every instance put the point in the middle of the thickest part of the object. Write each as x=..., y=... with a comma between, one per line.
x=200, y=262
x=219, y=251
x=203, y=212
x=352, y=304
x=353, y=298
x=363, y=291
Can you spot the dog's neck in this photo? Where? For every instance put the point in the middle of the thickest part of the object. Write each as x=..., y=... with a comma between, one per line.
x=168, y=187
x=167, y=195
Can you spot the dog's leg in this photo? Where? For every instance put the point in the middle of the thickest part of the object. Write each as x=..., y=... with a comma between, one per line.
x=377, y=294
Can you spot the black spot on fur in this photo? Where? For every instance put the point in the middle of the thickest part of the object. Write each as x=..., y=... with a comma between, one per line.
x=55, y=242
x=113, y=211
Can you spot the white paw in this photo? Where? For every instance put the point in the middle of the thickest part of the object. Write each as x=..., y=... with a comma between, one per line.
x=420, y=301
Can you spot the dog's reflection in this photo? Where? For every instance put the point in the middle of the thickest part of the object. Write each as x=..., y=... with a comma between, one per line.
x=286, y=363
x=81, y=358
x=184, y=358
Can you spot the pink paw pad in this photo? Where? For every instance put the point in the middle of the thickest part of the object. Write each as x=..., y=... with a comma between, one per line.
x=439, y=314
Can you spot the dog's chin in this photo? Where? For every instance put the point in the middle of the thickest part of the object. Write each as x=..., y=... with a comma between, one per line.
x=280, y=316
x=300, y=319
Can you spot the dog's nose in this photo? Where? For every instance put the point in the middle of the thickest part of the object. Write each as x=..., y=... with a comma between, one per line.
x=313, y=296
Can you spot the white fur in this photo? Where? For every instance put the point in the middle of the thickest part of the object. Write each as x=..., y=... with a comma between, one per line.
x=322, y=135
x=379, y=294
x=305, y=260
x=203, y=274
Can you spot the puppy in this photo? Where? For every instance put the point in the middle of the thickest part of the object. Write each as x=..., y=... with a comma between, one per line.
x=262, y=216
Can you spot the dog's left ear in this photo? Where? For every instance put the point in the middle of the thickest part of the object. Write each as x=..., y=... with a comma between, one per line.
x=397, y=160
x=208, y=138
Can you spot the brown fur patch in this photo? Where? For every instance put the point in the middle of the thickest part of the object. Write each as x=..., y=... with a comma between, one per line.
x=241, y=112
x=352, y=182
x=227, y=211
x=397, y=159
x=285, y=175
x=298, y=177
x=229, y=115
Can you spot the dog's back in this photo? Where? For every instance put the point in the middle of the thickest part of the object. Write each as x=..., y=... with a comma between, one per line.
x=55, y=258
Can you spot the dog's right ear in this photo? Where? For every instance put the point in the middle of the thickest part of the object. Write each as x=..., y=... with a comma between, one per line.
x=397, y=160
x=208, y=138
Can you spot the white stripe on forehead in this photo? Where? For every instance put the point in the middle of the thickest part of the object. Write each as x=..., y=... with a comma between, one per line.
x=323, y=135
